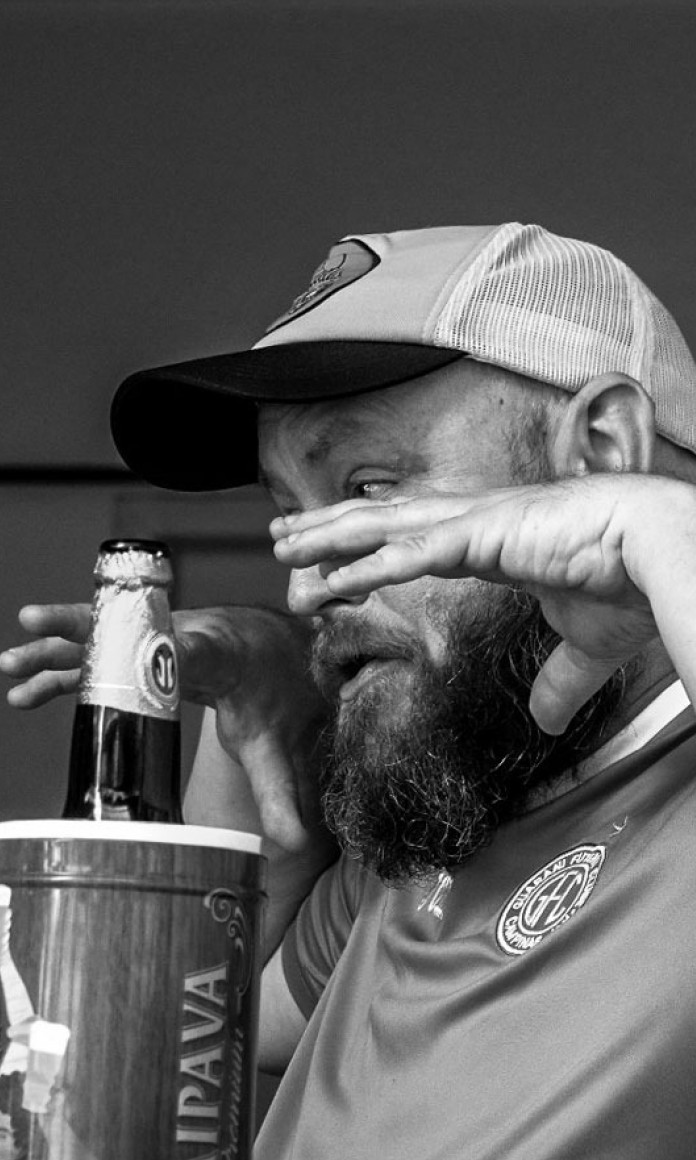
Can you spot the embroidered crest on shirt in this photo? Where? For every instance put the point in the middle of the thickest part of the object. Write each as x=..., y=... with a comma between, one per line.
x=551, y=896
x=433, y=901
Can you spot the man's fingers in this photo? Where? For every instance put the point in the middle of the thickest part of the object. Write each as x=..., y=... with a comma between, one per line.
x=26, y=660
x=370, y=548
x=42, y=688
x=391, y=564
x=283, y=526
x=70, y=621
x=207, y=664
x=50, y=666
x=564, y=684
x=445, y=550
x=352, y=533
x=361, y=524
x=356, y=527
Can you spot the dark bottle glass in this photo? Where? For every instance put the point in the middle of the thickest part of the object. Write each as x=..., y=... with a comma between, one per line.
x=124, y=760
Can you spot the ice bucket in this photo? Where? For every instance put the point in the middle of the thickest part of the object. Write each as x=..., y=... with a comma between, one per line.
x=129, y=971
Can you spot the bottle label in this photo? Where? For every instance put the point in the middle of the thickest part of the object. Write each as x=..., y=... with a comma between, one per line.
x=130, y=662
x=158, y=663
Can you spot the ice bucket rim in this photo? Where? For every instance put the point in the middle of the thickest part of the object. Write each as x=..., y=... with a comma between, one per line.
x=70, y=829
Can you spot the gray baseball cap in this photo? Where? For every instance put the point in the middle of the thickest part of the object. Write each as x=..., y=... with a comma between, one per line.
x=383, y=309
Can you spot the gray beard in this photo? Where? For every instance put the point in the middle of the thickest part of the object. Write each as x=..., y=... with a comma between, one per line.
x=411, y=798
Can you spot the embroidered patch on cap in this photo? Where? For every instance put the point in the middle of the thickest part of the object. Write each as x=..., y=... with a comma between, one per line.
x=549, y=898
x=347, y=261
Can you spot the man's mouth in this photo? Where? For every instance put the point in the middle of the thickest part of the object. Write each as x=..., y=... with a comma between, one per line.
x=355, y=673
x=366, y=673
x=345, y=660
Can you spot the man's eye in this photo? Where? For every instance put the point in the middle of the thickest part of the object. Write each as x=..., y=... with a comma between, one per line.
x=370, y=489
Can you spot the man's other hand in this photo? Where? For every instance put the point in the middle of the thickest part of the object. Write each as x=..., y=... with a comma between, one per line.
x=248, y=664
x=49, y=665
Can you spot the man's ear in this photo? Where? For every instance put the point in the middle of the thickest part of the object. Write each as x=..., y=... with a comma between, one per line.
x=609, y=425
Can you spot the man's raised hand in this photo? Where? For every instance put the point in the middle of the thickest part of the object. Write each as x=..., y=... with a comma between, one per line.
x=606, y=555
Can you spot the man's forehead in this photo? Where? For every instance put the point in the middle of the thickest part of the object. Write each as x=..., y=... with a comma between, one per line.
x=317, y=429
x=426, y=415
x=426, y=397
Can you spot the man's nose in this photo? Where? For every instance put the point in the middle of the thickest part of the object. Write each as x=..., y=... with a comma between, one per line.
x=309, y=594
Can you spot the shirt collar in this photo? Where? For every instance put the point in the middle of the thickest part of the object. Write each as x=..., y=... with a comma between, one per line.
x=645, y=725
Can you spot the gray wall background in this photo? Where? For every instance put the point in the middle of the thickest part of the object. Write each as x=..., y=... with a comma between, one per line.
x=172, y=172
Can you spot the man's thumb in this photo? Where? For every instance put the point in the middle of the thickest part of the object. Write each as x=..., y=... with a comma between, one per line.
x=564, y=684
x=275, y=791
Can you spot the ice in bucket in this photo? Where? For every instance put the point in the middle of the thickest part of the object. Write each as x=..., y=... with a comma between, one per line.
x=47, y=1044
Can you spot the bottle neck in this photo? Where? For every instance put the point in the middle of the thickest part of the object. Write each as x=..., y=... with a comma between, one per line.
x=130, y=657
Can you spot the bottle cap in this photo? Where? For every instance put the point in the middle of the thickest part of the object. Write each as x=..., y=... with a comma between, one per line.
x=134, y=561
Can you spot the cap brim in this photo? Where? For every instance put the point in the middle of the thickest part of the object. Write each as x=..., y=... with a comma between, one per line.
x=192, y=426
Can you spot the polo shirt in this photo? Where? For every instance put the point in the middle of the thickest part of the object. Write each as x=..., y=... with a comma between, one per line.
x=539, y=1003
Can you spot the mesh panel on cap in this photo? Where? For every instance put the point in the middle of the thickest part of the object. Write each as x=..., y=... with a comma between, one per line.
x=563, y=311
x=548, y=307
x=673, y=379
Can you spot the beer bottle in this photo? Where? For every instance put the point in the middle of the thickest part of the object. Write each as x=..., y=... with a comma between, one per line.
x=124, y=760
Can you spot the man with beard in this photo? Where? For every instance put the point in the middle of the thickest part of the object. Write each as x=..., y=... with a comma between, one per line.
x=429, y=791
x=498, y=963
